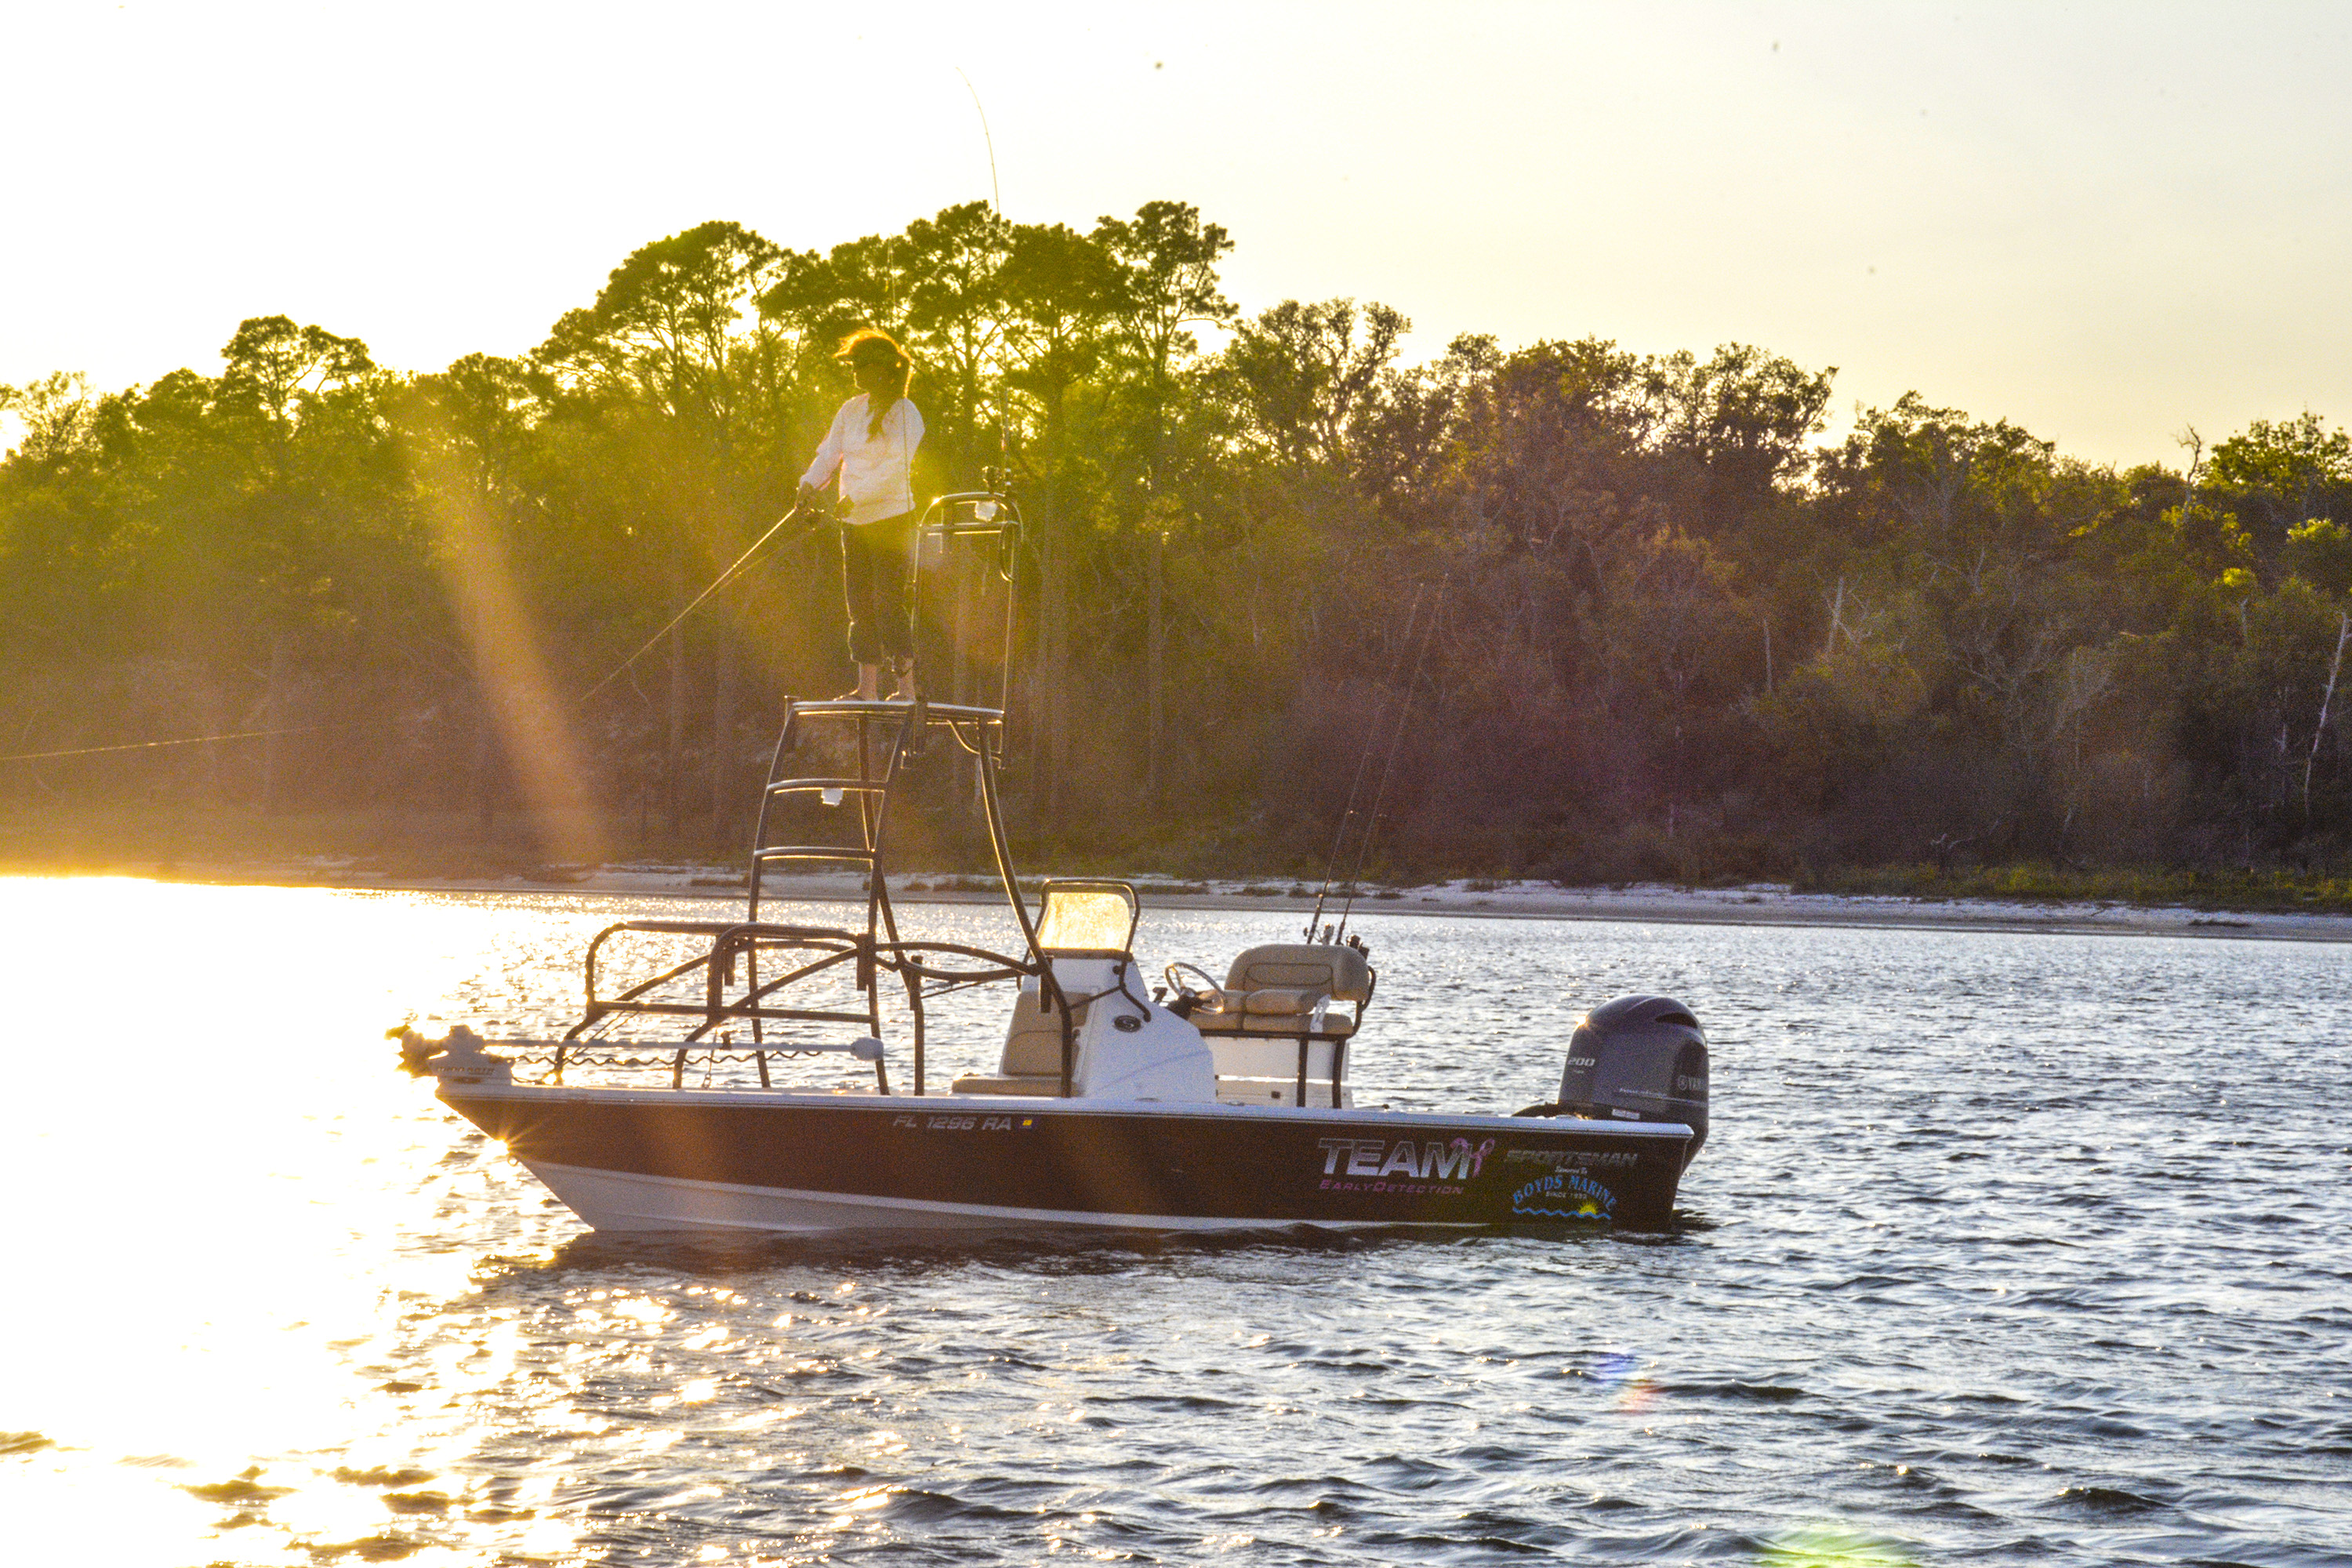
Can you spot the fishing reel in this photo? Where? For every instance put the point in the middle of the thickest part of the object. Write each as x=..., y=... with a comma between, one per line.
x=813, y=504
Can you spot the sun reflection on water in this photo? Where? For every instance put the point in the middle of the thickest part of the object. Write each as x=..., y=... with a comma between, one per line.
x=267, y=1302
x=218, y=1263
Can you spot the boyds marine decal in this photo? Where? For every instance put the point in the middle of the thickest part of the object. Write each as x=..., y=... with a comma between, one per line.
x=1368, y=1162
x=1564, y=1194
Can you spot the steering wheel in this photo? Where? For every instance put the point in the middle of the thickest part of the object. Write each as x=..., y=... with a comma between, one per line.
x=1174, y=974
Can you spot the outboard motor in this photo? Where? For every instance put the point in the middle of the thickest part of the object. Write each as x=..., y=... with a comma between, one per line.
x=1638, y=1058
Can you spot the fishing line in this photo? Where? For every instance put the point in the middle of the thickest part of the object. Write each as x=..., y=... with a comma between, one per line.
x=1404, y=705
x=615, y=673
x=1364, y=763
x=184, y=740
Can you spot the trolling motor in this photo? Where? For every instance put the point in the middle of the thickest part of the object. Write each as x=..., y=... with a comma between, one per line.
x=1637, y=1058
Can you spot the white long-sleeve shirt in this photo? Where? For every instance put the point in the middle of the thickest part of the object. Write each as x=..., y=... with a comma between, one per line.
x=877, y=472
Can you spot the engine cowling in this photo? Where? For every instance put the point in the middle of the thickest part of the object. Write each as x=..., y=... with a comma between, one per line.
x=1638, y=1059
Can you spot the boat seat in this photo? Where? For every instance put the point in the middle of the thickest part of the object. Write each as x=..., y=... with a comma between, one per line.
x=1032, y=1063
x=1276, y=989
x=1274, y=1009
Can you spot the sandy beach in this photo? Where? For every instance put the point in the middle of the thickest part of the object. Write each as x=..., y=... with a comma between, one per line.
x=1763, y=903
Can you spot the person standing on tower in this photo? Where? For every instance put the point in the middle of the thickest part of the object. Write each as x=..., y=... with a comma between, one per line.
x=871, y=451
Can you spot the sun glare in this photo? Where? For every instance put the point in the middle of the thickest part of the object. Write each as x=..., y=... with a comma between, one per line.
x=215, y=1274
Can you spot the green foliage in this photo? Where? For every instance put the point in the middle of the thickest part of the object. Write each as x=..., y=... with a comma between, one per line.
x=2279, y=476
x=1630, y=619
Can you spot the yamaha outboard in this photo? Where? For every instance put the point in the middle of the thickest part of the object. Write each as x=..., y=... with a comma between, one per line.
x=1638, y=1058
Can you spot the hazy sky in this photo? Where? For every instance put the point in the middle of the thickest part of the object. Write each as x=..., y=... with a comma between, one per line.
x=2105, y=221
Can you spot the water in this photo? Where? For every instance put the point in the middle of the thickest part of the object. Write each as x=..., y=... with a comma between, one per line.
x=2003, y=1249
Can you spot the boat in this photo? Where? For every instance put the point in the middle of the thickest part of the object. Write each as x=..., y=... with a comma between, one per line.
x=1206, y=1102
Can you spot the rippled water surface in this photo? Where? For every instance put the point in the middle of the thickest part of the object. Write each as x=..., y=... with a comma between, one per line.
x=2003, y=1249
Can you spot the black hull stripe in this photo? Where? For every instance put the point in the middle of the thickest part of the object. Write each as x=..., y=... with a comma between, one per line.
x=1244, y=1168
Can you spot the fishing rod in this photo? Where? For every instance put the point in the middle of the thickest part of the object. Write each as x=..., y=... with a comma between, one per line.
x=817, y=516
x=996, y=195
x=1363, y=763
x=1405, y=704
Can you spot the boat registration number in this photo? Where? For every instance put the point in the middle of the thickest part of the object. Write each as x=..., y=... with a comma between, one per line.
x=962, y=1124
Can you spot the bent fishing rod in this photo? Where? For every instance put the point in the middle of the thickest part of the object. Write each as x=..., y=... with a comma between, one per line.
x=817, y=515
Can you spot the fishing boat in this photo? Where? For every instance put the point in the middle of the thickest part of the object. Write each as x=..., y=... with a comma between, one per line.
x=1204, y=1102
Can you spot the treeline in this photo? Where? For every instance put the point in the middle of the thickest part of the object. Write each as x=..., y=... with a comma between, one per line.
x=1645, y=623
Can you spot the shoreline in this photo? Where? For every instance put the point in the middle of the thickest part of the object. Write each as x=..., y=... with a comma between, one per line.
x=1759, y=904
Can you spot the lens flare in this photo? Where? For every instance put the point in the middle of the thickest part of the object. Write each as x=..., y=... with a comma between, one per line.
x=534, y=718
x=1829, y=1546
x=1621, y=1372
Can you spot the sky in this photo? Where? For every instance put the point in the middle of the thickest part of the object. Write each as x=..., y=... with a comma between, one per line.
x=2109, y=223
